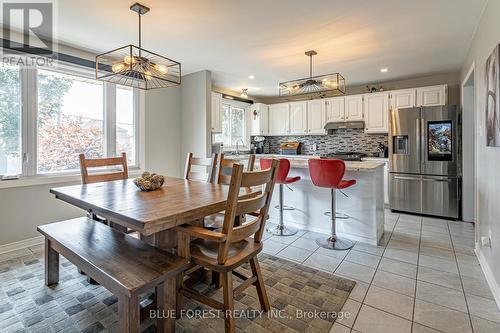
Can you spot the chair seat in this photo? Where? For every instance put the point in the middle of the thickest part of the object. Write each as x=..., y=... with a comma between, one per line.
x=204, y=253
x=346, y=183
x=290, y=180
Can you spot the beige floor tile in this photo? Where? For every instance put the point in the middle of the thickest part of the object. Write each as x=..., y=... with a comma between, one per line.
x=440, y=264
x=356, y=271
x=477, y=286
x=401, y=255
x=284, y=239
x=481, y=325
x=368, y=248
x=359, y=291
x=397, y=283
x=389, y=301
x=398, y=267
x=470, y=270
x=452, y=298
x=445, y=279
x=314, y=235
x=437, y=252
x=363, y=258
x=483, y=307
x=272, y=247
x=322, y=262
x=418, y=328
x=441, y=318
x=336, y=254
x=305, y=243
x=294, y=253
x=349, y=311
x=338, y=328
x=371, y=320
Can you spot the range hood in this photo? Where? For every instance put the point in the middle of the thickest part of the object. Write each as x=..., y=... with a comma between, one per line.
x=334, y=125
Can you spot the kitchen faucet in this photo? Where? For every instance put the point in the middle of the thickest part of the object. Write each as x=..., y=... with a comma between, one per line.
x=238, y=147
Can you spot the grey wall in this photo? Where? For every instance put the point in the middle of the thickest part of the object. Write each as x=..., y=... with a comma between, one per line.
x=196, y=114
x=163, y=131
x=488, y=158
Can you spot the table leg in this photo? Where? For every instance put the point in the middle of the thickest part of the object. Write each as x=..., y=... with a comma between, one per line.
x=51, y=264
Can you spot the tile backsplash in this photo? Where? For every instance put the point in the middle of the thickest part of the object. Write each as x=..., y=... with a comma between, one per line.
x=343, y=140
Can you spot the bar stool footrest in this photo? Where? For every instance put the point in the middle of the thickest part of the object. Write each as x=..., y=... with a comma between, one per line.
x=338, y=215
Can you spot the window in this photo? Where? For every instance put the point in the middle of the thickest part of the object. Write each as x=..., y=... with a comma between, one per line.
x=70, y=121
x=233, y=126
x=50, y=115
x=125, y=123
x=10, y=120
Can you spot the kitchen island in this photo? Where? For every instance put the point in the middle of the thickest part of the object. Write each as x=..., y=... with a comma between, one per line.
x=363, y=202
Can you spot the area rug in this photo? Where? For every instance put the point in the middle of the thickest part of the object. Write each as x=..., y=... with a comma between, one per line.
x=302, y=300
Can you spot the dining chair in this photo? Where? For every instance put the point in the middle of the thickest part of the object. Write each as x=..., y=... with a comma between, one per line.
x=224, y=172
x=208, y=168
x=86, y=163
x=226, y=250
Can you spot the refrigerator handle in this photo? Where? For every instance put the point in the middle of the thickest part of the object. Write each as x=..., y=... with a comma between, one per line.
x=418, y=148
x=424, y=143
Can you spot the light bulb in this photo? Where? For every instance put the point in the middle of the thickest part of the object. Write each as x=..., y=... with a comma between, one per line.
x=118, y=67
x=161, y=68
x=129, y=60
x=244, y=93
x=147, y=75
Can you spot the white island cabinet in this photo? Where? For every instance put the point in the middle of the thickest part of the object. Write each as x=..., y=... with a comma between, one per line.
x=364, y=202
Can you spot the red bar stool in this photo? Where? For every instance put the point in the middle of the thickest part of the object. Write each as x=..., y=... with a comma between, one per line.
x=281, y=179
x=329, y=173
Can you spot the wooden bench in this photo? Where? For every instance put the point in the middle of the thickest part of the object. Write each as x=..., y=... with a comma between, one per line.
x=122, y=264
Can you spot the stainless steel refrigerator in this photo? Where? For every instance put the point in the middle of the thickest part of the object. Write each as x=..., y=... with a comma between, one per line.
x=423, y=159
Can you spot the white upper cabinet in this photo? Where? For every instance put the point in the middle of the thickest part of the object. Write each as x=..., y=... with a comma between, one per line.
x=353, y=108
x=258, y=115
x=316, y=116
x=298, y=118
x=335, y=109
x=216, y=113
x=376, y=109
x=279, y=119
x=404, y=98
x=432, y=96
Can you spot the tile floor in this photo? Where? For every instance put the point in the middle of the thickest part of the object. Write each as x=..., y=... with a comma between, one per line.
x=424, y=278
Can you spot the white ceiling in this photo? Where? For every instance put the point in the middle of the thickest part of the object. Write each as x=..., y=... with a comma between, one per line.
x=267, y=38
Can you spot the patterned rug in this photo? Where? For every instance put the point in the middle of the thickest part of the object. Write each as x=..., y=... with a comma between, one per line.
x=302, y=300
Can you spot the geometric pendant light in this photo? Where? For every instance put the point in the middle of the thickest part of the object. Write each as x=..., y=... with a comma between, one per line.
x=332, y=83
x=136, y=67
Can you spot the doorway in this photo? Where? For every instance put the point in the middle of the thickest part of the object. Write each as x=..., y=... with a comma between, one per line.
x=469, y=159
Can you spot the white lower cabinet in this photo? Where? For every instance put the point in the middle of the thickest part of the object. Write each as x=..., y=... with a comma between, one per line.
x=279, y=119
x=316, y=116
x=376, y=111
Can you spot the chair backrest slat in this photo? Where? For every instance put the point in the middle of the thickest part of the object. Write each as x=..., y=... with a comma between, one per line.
x=85, y=164
x=225, y=166
x=207, y=166
x=236, y=207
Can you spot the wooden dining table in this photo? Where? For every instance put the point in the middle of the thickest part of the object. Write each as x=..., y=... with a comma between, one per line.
x=153, y=214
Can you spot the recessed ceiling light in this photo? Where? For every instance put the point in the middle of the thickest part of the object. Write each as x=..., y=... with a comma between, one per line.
x=251, y=77
x=384, y=70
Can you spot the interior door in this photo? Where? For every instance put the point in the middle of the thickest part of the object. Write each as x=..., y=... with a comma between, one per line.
x=298, y=118
x=439, y=140
x=404, y=145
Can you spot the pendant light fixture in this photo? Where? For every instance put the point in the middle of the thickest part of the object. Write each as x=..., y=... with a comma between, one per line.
x=334, y=83
x=136, y=67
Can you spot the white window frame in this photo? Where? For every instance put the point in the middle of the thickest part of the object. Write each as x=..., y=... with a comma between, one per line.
x=29, y=118
x=243, y=106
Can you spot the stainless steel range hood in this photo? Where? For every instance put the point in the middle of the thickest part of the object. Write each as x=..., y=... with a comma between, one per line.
x=332, y=126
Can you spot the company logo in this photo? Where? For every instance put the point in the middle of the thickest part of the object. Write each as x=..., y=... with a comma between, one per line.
x=28, y=27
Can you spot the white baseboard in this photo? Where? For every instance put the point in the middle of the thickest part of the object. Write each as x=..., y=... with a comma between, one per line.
x=490, y=278
x=22, y=244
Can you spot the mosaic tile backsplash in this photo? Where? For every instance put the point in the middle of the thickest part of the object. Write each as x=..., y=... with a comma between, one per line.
x=343, y=140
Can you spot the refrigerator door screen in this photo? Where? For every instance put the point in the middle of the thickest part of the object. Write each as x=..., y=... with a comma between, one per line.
x=440, y=141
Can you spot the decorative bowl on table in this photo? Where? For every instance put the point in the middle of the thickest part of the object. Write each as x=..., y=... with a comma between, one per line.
x=149, y=181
